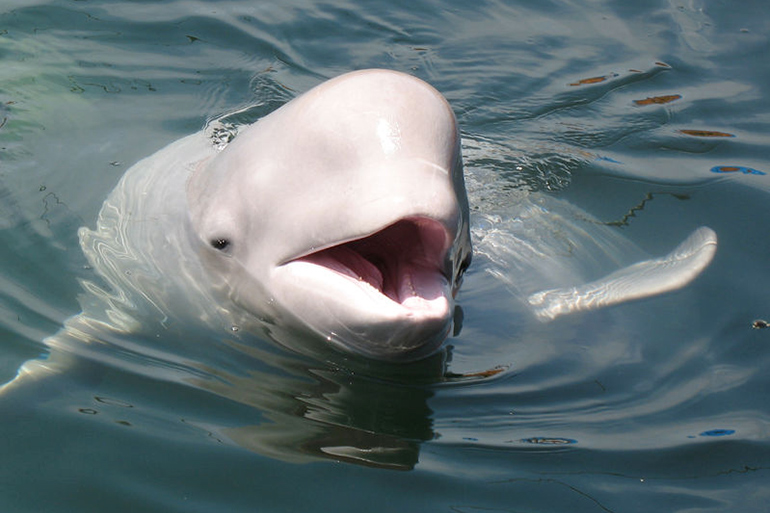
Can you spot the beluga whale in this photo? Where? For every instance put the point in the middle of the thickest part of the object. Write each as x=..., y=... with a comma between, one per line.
x=341, y=216
x=347, y=209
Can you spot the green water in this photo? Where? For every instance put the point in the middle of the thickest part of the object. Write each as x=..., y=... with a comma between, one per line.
x=621, y=109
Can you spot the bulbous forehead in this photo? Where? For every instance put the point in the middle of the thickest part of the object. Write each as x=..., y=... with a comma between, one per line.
x=345, y=158
x=379, y=112
x=377, y=92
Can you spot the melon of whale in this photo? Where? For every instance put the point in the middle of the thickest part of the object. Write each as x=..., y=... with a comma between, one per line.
x=342, y=215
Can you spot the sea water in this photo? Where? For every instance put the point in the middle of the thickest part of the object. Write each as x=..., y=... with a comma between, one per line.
x=653, y=117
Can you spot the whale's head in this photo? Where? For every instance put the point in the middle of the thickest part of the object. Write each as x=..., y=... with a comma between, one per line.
x=344, y=212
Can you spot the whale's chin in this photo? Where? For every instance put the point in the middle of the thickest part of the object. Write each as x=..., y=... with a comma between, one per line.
x=389, y=290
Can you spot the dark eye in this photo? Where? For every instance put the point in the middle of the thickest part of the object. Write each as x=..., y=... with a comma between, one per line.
x=220, y=244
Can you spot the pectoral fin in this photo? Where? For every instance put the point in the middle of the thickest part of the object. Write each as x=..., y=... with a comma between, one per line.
x=640, y=280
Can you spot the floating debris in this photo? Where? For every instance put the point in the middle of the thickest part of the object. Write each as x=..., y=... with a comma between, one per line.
x=706, y=133
x=479, y=374
x=593, y=80
x=718, y=432
x=760, y=324
x=625, y=220
x=549, y=441
x=487, y=373
x=604, y=78
x=736, y=169
x=659, y=100
x=608, y=159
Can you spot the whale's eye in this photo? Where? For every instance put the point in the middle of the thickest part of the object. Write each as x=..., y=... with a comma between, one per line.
x=220, y=244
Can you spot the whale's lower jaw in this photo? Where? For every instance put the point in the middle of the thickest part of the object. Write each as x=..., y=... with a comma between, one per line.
x=384, y=296
x=399, y=341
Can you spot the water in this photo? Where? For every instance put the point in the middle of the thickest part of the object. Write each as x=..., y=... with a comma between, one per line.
x=655, y=405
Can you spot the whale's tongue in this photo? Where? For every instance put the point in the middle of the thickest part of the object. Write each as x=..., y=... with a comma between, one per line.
x=403, y=261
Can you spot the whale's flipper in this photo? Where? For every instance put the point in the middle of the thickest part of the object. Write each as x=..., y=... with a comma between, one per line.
x=73, y=352
x=32, y=372
x=640, y=280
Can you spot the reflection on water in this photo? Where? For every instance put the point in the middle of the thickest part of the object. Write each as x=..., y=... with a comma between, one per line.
x=310, y=413
x=332, y=413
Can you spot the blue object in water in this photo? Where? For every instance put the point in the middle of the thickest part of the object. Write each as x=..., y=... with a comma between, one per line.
x=718, y=432
x=736, y=169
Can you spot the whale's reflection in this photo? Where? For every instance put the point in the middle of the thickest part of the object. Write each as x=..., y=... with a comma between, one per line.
x=365, y=413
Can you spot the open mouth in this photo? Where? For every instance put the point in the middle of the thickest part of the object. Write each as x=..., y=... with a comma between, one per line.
x=404, y=262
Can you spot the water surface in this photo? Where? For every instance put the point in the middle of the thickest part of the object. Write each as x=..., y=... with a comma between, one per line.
x=651, y=117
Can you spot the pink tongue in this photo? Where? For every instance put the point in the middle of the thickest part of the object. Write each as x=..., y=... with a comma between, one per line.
x=346, y=261
x=418, y=285
x=399, y=261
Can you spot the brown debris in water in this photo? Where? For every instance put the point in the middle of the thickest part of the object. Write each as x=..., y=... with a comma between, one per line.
x=592, y=80
x=706, y=133
x=485, y=373
x=480, y=374
x=659, y=100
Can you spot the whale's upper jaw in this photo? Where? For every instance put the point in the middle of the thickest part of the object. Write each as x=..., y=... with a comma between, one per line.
x=387, y=295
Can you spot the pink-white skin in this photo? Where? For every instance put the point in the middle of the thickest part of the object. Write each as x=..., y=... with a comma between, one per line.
x=344, y=212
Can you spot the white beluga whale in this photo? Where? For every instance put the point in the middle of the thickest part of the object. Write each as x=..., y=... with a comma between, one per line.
x=341, y=216
x=347, y=209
